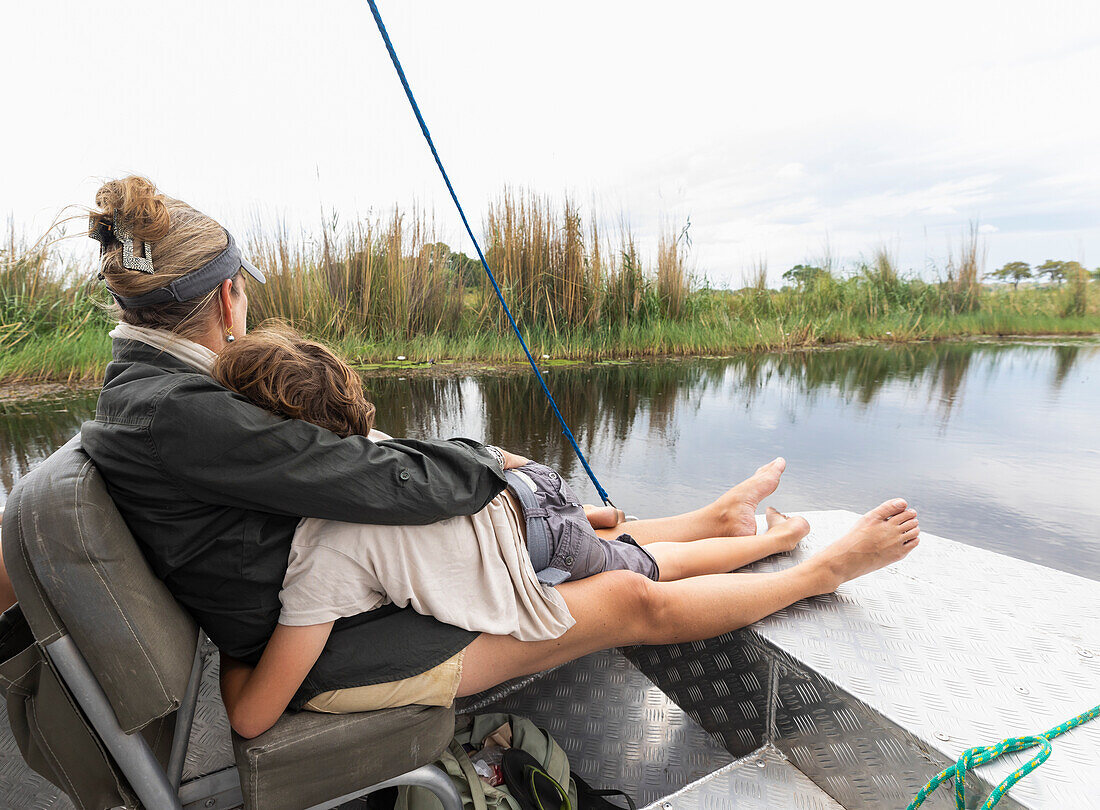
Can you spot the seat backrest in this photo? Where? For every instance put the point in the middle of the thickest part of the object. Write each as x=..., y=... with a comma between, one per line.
x=77, y=570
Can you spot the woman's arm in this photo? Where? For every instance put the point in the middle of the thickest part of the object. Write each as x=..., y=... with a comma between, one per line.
x=221, y=449
x=255, y=697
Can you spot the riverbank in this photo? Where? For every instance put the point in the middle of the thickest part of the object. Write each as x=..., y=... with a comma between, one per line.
x=388, y=292
x=16, y=391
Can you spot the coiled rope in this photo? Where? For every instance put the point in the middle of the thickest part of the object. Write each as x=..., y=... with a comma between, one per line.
x=979, y=755
x=496, y=287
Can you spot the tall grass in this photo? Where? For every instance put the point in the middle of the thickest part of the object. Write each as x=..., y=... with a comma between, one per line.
x=387, y=286
x=964, y=269
x=1077, y=304
x=541, y=263
x=46, y=304
x=672, y=274
x=559, y=275
x=375, y=279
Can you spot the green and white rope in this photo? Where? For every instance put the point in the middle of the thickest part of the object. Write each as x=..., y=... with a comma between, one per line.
x=979, y=755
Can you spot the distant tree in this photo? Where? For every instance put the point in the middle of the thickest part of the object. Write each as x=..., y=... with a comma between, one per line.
x=1095, y=274
x=1054, y=270
x=465, y=268
x=804, y=275
x=1013, y=271
x=1073, y=269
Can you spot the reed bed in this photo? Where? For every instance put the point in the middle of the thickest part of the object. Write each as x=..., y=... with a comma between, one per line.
x=388, y=287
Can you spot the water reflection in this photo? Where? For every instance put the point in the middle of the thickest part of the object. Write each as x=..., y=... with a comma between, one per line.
x=995, y=443
x=1065, y=357
x=31, y=431
x=612, y=400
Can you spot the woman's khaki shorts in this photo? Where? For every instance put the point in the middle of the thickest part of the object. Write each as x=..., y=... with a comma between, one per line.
x=436, y=687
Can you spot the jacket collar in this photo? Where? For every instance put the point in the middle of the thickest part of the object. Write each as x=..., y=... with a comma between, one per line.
x=136, y=351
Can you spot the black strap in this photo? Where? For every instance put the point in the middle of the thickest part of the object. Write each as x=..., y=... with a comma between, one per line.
x=588, y=798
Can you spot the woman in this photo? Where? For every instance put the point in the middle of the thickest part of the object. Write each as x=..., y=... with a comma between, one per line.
x=212, y=488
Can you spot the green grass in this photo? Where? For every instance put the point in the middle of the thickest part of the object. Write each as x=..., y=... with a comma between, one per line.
x=380, y=290
x=83, y=355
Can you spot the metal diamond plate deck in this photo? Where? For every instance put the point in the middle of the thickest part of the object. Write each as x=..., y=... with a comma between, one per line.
x=868, y=692
x=764, y=780
x=20, y=787
x=210, y=748
x=957, y=647
x=722, y=684
x=619, y=730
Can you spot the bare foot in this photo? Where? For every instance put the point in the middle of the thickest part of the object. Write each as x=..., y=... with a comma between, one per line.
x=736, y=510
x=882, y=536
x=785, y=531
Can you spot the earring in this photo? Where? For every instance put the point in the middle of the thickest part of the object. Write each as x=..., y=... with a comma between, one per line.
x=229, y=336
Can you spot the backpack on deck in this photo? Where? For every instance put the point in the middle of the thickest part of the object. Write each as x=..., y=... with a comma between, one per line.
x=477, y=794
x=529, y=744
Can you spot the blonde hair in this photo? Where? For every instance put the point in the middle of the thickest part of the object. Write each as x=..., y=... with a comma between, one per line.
x=183, y=239
x=278, y=370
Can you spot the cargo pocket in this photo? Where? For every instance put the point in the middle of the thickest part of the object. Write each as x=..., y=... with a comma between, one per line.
x=580, y=553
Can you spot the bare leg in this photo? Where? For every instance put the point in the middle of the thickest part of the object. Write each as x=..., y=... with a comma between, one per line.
x=7, y=592
x=732, y=515
x=716, y=555
x=616, y=608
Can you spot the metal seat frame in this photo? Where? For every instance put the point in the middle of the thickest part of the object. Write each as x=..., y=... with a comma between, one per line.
x=159, y=788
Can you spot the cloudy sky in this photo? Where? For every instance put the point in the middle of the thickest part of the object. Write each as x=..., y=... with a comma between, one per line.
x=778, y=128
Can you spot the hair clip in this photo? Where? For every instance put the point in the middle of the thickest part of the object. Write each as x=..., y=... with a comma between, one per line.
x=100, y=230
x=144, y=263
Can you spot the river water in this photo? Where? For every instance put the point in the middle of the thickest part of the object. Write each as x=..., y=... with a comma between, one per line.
x=995, y=443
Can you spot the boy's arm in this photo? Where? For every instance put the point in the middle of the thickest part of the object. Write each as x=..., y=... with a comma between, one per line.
x=255, y=697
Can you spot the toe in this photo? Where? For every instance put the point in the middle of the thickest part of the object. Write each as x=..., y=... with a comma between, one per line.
x=910, y=537
x=904, y=516
x=908, y=524
x=799, y=525
x=886, y=510
x=773, y=517
x=773, y=467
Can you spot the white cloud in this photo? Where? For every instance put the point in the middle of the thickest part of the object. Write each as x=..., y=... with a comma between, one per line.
x=791, y=171
x=775, y=126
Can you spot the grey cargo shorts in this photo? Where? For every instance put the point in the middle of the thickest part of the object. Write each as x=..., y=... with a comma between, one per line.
x=562, y=543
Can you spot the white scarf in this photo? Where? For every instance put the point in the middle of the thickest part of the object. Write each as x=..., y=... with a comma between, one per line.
x=193, y=354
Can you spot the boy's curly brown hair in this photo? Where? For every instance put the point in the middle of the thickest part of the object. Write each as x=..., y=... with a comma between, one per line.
x=278, y=370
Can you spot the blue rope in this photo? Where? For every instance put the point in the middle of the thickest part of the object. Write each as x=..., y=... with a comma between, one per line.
x=431, y=145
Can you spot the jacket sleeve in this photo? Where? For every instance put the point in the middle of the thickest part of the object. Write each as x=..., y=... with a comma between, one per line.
x=220, y=448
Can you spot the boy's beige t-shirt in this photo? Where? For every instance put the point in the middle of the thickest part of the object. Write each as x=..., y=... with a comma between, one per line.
x=472, y=572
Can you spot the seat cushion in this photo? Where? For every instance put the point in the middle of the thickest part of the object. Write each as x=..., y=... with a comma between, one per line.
x=308, y=758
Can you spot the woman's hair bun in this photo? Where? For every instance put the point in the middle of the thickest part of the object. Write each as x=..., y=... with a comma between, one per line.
x=135, y=201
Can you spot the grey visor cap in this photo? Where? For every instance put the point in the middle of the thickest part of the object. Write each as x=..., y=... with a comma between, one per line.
x=198, y=282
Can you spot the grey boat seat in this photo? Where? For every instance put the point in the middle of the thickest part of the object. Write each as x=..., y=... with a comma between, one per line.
x=102, y=703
